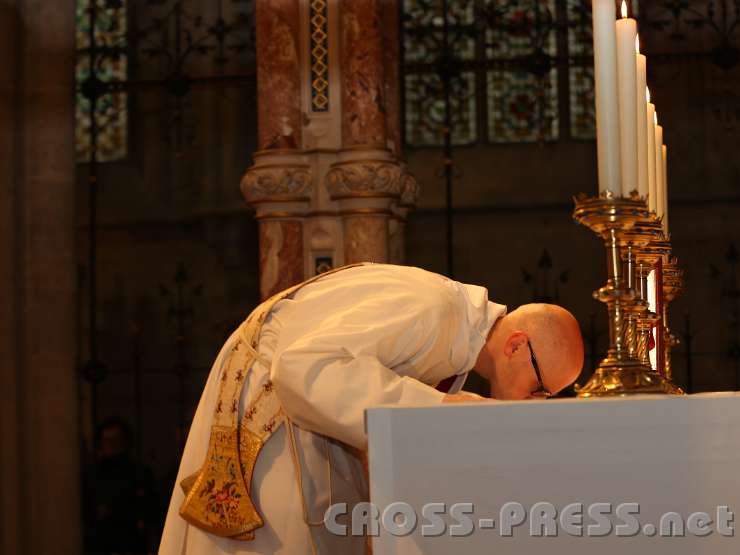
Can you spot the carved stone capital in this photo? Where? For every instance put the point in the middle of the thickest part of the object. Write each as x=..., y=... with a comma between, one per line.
x=364, y=178
x=409, y=190
x=275, y=183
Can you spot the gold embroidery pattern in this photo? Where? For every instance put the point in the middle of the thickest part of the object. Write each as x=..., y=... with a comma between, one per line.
x=250, y=446
x=217, y=497
x=218, y=501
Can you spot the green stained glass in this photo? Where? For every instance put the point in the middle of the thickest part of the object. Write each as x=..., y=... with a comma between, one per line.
x=110, y=23
x=429, y=13
x=580, y=36
x=521, y=54
x=580, y=71
x=423, y=30
x=424, y=50
x=425, y=109
x=109, y=67
x=582, y=110
x=522, y=107
x=522, y=91
x=520, y=27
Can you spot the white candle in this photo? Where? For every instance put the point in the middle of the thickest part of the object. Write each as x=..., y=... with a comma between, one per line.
x=642, y=145
x=652, y=307
x=650, y=153
x=607, y=104
x=659, y=202
x=665, y=190
x=627, y=78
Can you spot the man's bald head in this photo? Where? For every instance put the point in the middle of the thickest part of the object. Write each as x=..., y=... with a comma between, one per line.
x=555, y=338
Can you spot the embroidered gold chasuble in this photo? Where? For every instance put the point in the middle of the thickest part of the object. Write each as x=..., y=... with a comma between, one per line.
x=217, y=497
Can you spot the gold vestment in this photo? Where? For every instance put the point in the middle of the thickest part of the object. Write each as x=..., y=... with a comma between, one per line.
x=217, y=497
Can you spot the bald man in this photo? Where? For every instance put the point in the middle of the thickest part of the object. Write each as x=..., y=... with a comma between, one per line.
x=323, y=353
x=508, y=361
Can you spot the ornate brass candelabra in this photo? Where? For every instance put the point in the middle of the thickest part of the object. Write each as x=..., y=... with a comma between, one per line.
x=648, y=255
x=634, y=242
x=637, y=313
x=672, y=288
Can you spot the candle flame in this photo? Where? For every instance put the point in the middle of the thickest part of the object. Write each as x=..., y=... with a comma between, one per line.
x=655, y=117
x=647, y=94
x=624, y=8
x=637, y=44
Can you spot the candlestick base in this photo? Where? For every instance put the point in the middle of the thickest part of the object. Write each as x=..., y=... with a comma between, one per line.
x=621, y=381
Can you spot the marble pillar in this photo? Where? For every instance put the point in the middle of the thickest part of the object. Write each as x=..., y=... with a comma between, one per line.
x=392, y=61
x=365, y=183
x=39, y=431
x=366, y=178
x=363, y=76
x=329, y=103
x=409, y=186
x=278, y=74
x=278, y=186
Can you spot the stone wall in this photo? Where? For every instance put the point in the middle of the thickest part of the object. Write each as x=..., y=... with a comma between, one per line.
x=39, y=433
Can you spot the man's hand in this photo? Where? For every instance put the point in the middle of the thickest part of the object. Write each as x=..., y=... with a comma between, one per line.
x=463, y=397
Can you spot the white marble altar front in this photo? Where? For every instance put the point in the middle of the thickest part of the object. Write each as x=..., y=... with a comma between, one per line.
x=668, y=454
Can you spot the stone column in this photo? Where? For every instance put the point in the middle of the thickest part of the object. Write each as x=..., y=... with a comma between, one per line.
x=365, y=183
x=409, y=186
x=365, y=179
x=363, y=75
x=329, y=103
x=400, y=210
x=278, y=74
x=278, y=184
x=39, y=433
x=391, y=59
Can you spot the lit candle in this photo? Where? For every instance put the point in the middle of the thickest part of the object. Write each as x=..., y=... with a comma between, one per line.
x=607, y=104
x=665, y=190
x=650, y=152
x=627, y=79
x=659, y=201
x=642, y=145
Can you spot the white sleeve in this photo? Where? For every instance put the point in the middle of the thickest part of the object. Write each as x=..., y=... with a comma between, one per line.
x=327, y=377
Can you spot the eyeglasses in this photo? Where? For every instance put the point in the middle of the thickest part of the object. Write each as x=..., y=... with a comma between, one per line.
x=541, y=390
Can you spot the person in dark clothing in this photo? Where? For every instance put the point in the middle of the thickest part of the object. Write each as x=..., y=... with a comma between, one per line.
x=120, y=505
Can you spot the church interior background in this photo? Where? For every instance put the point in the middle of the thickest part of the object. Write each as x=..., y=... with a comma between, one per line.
x=167, y=163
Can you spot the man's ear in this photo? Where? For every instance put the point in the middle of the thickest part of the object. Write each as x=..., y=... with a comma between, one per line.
x=516, y=341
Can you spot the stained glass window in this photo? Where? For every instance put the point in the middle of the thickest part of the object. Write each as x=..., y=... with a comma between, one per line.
x=522, y=91
x=511, y=61
x=424, y=91
x=425, y=109
x=522, y=107
x=581, y=73
x=101, y=64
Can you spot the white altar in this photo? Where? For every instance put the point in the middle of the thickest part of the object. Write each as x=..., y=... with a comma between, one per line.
x=511, y=476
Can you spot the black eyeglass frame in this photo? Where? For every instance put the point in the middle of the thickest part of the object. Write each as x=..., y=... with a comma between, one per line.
x=541, y=390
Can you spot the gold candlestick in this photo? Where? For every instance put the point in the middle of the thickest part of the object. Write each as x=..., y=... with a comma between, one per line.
x=672, y=288
x=631, y=241
x=621, y=372
x=648, y=254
